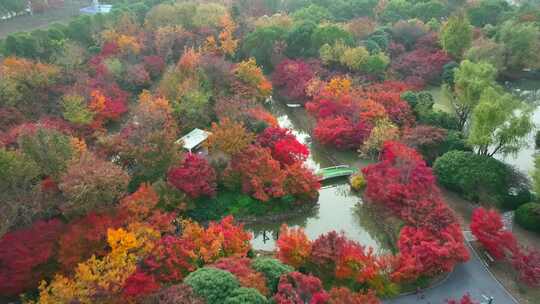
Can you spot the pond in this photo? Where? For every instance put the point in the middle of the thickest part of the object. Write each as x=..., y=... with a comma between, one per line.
x=338, y=208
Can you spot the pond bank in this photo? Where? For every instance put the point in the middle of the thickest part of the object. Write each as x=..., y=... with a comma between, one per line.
x=338, y=208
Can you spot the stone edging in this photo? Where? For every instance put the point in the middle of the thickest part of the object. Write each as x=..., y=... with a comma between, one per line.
x=278, y=217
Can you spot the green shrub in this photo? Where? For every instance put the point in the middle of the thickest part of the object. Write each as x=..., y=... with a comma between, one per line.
x=272, y=269
x=246, y=296
x=528, y=216
x=214, y=285
x=516, y=198
x=475, y=177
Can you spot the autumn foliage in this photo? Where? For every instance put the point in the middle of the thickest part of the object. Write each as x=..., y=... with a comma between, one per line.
x=488, y=228
x=292, y=77
x=294, y=247
x=298, y=288
x=402, y=182
x=24, y=255
x=259, y=174
x=285, y=147
x=194, y=176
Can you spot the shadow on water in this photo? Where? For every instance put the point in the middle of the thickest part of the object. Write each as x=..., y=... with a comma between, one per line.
x=338, y=208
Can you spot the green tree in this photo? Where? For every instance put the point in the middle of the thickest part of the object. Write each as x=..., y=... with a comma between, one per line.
x=75, y=110
x=19, y=172
x=488, y=12
x=376, y=63
x=260, y=43
x=521, y=43
x=299, y=40
x=470, y=80
x=18, y=177
x=500, y=123
x=456, y=35
x=487, y=50
x=49, y=149
x=312, y=13
x=330, y=34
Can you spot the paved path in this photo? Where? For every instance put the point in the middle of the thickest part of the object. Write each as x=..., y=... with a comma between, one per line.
x=471, y=277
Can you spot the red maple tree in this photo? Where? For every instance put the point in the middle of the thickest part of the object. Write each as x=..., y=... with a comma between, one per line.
x=194, y=176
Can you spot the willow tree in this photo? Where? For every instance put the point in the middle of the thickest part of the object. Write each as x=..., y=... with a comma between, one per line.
x=470, y=80
x=500, y=123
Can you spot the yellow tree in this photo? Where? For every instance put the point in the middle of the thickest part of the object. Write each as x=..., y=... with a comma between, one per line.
x=229, y=137
x=104, y=277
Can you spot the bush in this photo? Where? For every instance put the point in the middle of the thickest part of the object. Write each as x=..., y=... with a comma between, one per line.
x=272, y=269
x=214, y=285
x=474, y=176
x=91, y=183
x=528, y=216
x=358, y=182
x=245, y=295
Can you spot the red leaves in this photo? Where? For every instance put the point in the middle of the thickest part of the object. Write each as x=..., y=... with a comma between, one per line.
x=330, y=256
x=241, y=268
x=220, y=239
x=83, y=238
x=293, y=245
x=488, y=228
x=433, y=252
x=171, y=259
x=527, y=264
x=139, y=284
x=260, y=175
x=466, y=299
x=341, y=295
x=22, y=252
x=194, y=176
x=402, y=181
x=341, y=133
x=356, y=263
x=293, y=76
x=298, y=288
x=285, y=147
x=345, y=119
x=423, y=63
x=301, y=182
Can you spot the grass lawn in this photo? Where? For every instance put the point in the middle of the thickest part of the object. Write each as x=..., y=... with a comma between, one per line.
x=28, y=22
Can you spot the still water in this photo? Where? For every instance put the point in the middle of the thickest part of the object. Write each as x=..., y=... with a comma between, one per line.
x=528, y=91
x=338, y=208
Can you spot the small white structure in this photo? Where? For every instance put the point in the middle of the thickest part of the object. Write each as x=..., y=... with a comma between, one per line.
x=96, y=8
x=194, y=139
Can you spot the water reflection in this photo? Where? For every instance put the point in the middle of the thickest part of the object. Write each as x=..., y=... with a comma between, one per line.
x=338, y=209
x=529, y=91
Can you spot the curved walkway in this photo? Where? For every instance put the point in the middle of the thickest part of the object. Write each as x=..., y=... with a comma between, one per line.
x=472, y=277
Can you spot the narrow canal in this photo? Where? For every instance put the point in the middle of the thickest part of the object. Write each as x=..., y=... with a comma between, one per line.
x=338, y=208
